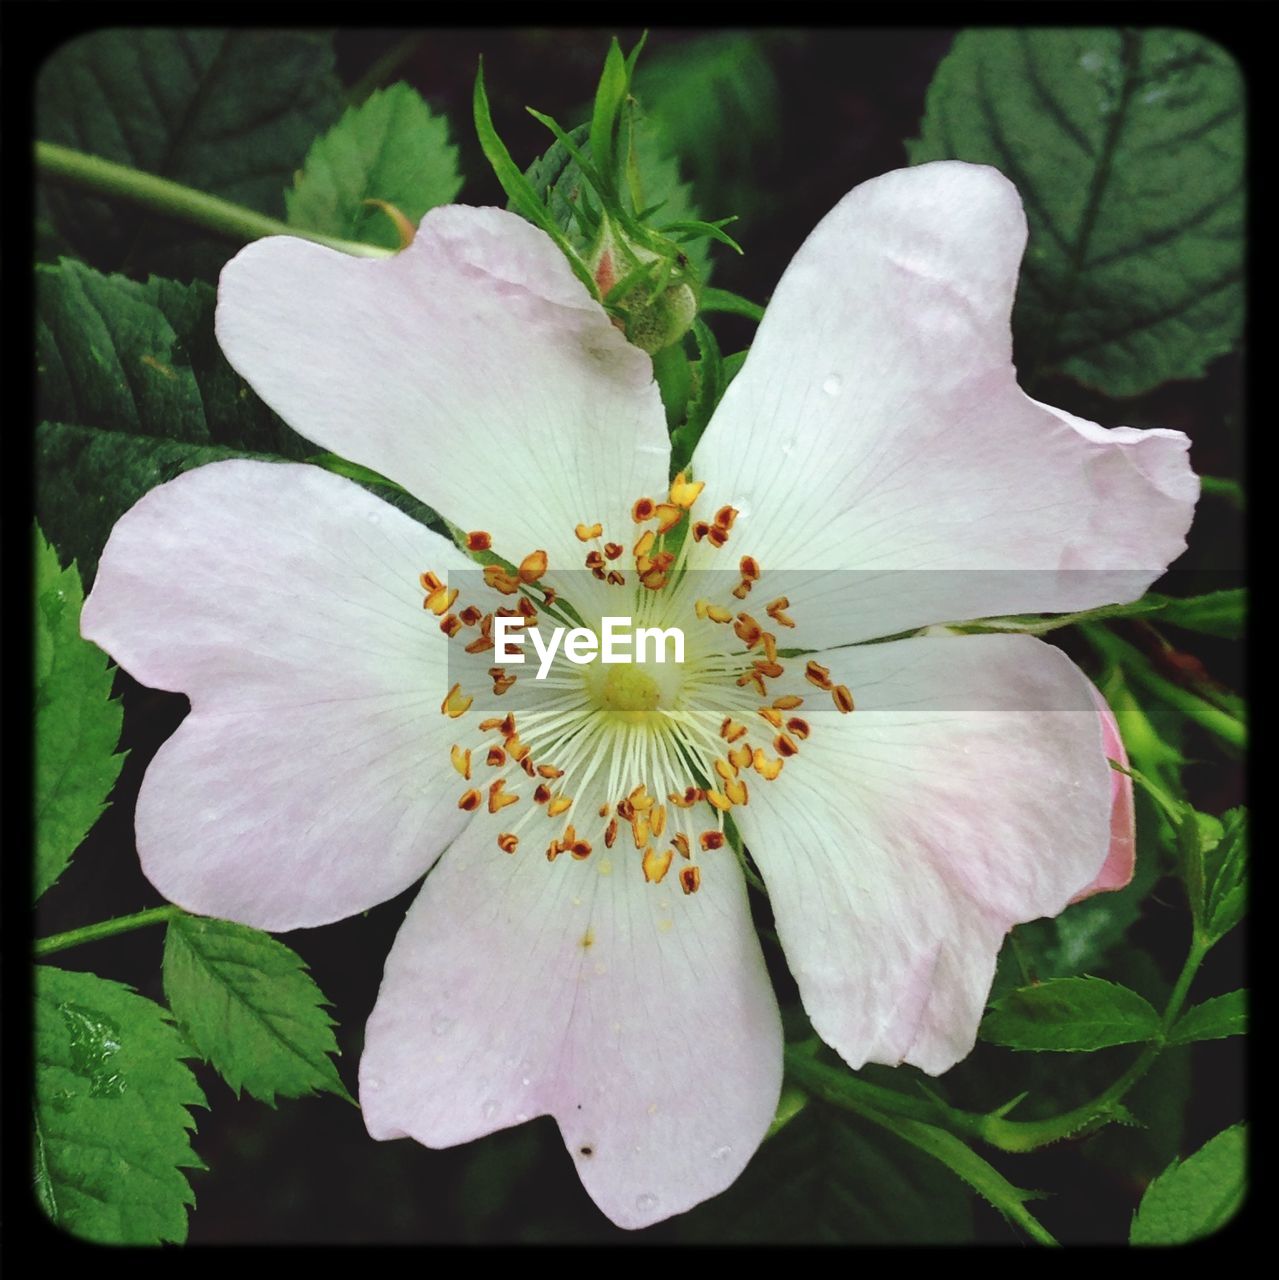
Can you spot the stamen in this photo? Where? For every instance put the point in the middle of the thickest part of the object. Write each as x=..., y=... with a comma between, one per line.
x=470, y=800
x=642, y=510
x=461, y=757
x=508, y=842
x=690, y=879
x=456, y=703
x=685, y=492
x=533, y=566
x=479, y=541
x=843, y=698
x=500, y=798
x=585, y=532
x=655, y=865
x=710, y=840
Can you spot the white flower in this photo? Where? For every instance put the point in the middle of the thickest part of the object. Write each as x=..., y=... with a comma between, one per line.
x=876, y=431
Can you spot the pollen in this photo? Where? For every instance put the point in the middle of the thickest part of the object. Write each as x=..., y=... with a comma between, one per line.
x=737, y=792
x=816, y=674
x=710, y=840
x=680, y=843
x=741, y=757
x=776, y=611
x=508, y=842
x=668, y=516
x=766, y=768
x=788, y=702
x=843, y=698
x=496, y=578
x=690, y=879
x=478, y=540
x=719, y=800
x=461, y=758
x=585, y=532
x=731, y=729
x=561, y=804
x=440, y=601
x=470, y=800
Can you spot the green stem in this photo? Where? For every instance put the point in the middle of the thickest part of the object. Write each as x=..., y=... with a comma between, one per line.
x=172, y=198
x=1139, y=670
x=105, y=929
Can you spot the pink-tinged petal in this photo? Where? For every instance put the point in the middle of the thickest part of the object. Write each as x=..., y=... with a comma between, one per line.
x=1121, y=860
x=877, y=427
x=965, y=794
x=311, y=779
x=473, y=368
x=642, y=1019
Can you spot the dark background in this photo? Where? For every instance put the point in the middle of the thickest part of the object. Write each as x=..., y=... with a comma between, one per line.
x=308, y=1172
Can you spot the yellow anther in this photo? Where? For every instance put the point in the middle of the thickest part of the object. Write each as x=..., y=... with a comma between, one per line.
x=742, y=590
x=440, y=601
x=644, y=545
x=770, y=646
x=776, y=611
x=497, y=579
x=640, y=830
x=561, y=804
x=668, y=516
x=766, y=768
x=585, y=532
x=610, y=833
x=687, y=800
x=719, y=800
x=731, y=729
x=580, y=849
x=656, y=865
x=496, y=758
x=769, y=670
x=479, y=541
x=517, y=748
x=690, y=879
x=640, y=798
x=788, y=702
x=725, y=769
x=843, y=698
x=749, y=568
x=680, y=841
x=816, y=674
x=430, y=582
x=450, y=624
x=533, y=566
x=508, y=842
x=736, y=791
x=456, y=703
x=461, y=758
x=740, y=757
x=773, y=717
x=500, y=798
x=541, y=793
x=550, y=771
x=685, y=492
x=658, y=820
x=717, y=613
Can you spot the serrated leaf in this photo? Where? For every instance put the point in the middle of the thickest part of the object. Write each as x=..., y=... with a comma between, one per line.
x=1127, y=149
x=132, y=389
x=1070, y=1015
x=229, y=112
x=1219, y=613
x=829, y=1178
x=248, y=1005
x=1193, y=1198
x=389, y=148
x=77, y=721
x=1214, y=1019
x=112, y=1116
x=1225, y=872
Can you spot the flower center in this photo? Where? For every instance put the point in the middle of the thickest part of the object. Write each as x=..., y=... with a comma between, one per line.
x=639, y=754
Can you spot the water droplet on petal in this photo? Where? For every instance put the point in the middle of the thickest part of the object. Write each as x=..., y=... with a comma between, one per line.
x=525, y=1080
x=489, y=1110
x=833, y=385
x=646, y=1202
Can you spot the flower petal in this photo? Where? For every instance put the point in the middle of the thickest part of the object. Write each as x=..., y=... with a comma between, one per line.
x=310, y=780
x=966, y=793
x=1121, y=861
x=472, y=368
x=877, y=426
x=640, y=1018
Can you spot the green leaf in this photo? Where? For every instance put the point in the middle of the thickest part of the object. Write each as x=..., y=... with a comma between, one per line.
x=1215, y=1019
x=77, y=721
x=1127, y=149
x=731, y=304
x=389, y=148
x=830, y=1178
x=131, y=389
x=710, y=387
x=248, y=1005
x=1071, y=1015
x=112, y=1118
x=1193, y=1198
x=609, y=95
x=228, y=112
x=1225, y=876
x=1220, y=613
